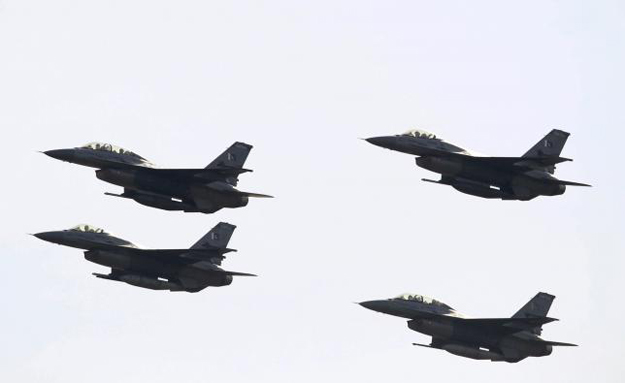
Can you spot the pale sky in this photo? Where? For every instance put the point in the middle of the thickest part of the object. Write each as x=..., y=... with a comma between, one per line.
x=179, y=81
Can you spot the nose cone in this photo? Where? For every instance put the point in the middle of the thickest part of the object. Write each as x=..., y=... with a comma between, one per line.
x=49, y=236
x=61, y=154
x=379, y=306
x=387, y=142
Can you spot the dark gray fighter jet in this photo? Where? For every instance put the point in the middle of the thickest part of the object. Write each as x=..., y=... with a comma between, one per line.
x=508, y=178
x=191, y=190
x=495, y=339
x=188, y=270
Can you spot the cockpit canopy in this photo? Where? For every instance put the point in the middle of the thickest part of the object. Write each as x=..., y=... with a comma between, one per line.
x=112, y=148
x=420, y=299
x=419, y=133
x=88, y=229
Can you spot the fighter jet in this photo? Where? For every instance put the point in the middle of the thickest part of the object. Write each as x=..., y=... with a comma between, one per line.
x=188, y=270
x=495, y=339
x=507, y=178
x=190, y=190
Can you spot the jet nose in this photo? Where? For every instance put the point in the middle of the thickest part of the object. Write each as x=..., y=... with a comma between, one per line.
x=374, y=305
x=61, y=154
x=383, y=142
x=50, y=236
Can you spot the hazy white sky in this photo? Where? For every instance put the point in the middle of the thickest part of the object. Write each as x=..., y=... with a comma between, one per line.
x=179, y=81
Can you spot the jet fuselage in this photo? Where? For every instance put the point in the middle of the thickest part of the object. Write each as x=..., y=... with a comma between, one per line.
x=143, y=271
x=516, y=178
x=189, y=190
x=456, y=334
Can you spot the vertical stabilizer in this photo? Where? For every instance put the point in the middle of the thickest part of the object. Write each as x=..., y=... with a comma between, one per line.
x=231, y=162
x=218, y=237
x=537, y=307
x=550, y=146
x=233, y=158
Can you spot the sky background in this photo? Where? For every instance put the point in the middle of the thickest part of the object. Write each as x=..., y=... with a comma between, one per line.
x=179, y=81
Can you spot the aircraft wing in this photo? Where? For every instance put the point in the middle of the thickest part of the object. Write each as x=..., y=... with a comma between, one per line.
x=185, y=173
x=184, y=256
x=516, y=164
x=209, y=174
x=508, y=325
x=512, y=162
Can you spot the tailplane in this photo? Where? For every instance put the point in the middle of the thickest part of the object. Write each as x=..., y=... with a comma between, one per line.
x=537, y=307
x=218, y=237
x=559, y=344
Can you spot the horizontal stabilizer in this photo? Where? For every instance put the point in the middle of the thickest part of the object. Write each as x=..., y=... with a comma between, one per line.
x=226, y=188
x=255, y=195
x=232, y=171
x=208, y=266
x=571, y=183
x=238, y=274
x=535, y=321
x=550, y=343
x=555, y=181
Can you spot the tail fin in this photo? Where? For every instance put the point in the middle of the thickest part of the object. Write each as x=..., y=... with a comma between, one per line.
x=233, y=158
x=231, y=162
x=550, y=146
x=537, y=307
x=218, y=237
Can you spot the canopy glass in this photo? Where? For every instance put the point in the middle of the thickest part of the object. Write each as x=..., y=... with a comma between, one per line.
x=88, y=229
x=111, y=148
x=421, y=299
x=419, y=133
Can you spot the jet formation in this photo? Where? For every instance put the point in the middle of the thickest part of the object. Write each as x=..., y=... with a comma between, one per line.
x=210, y=189
x=189, y=270
x=507, y=178
x=495, y=339
x=204, y=190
